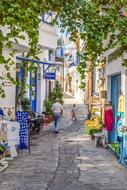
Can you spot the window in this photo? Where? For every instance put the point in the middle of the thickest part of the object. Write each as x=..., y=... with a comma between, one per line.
x=47, y=18
x=51, y=55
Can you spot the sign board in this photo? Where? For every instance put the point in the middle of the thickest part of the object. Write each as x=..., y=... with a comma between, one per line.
x=49, y=76
x=22, y=118
x=13, y=133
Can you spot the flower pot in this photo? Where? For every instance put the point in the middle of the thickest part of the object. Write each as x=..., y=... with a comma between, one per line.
x=48, y=119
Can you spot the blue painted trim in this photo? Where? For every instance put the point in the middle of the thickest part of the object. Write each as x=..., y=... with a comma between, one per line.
x=45, y=21
x=48, y=23
x=46, y=69
x=61, y=52
x=33, y=102
x=34, y=60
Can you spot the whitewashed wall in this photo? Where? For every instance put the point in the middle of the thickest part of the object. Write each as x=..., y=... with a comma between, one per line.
x=47, y=36
x=47, y=40
x=42, y=88
x=10, y=89
x=40, y=91
x=112, y=69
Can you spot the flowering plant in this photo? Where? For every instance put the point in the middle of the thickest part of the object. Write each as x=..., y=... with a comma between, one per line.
x=94, y=125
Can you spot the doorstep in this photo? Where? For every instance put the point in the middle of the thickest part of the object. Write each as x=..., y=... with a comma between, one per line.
x=3, y=165
x=109, y=147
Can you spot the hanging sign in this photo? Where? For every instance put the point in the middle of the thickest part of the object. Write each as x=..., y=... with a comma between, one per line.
x=49, y=76
x=22, y=118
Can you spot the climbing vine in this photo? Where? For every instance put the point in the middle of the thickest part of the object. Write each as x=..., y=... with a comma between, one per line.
x=95, y=21
x=18, y=18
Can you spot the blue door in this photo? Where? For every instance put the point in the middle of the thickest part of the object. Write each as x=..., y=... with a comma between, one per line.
x=115, y=92
x=33, y=90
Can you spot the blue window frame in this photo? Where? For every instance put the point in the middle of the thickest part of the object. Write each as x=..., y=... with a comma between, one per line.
x=47, y=18
x=33, y=90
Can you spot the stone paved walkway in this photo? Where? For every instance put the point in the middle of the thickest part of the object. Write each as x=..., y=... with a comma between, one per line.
x=65, y=161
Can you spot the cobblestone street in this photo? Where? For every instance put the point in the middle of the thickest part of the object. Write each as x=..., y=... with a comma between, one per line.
x=65, y=161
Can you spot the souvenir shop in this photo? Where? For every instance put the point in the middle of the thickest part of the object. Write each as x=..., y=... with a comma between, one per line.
x=113, y=119
x=112, y=115
x=14, y=135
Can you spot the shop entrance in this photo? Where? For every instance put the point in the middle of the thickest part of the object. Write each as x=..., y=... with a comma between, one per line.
x=115, y=92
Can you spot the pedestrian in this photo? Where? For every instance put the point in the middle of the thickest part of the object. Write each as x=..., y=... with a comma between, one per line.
x=74, y=112
x=57, y=110
x=88, y=114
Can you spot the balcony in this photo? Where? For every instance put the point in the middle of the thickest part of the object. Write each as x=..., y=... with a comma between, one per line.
x=47, y=37
x=47, y=32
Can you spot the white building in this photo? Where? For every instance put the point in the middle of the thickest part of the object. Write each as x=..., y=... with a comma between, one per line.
x=115, y=83
x=71, y=64
x=47, y=41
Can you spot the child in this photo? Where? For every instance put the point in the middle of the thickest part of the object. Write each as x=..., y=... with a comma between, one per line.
x=73, y=112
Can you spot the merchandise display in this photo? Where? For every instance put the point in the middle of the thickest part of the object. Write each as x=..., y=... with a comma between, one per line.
x=13, y=135
x=22, y=118
x=109, y=118
x=96, y=106
x=9, y=137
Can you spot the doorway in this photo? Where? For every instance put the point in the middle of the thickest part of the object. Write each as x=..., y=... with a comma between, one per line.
x=115, y=92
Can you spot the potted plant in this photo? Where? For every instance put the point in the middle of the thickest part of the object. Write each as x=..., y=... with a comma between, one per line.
x=57, y=93
x=94, y=125
x=25, y=103
x=48, y=110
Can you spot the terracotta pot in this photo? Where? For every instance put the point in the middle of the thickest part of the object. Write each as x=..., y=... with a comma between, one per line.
x=48, y=119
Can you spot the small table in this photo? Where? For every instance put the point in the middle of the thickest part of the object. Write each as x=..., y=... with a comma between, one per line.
x=99, y=137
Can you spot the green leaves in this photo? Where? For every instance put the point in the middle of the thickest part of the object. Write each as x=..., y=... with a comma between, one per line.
x=94, y=20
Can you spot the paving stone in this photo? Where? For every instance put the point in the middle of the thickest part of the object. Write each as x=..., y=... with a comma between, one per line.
x=66, y=161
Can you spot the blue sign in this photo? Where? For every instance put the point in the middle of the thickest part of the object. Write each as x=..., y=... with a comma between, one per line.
x=22, y=118
x=50, y=76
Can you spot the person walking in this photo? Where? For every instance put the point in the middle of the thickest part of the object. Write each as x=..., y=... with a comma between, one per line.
x=57, y=110
x=74, y=112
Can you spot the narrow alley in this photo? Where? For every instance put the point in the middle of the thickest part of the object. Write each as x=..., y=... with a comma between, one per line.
x=65, y=161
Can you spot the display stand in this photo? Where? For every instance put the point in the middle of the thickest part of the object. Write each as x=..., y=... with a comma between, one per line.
x=123, y=147
x=96, y=106
x=22, y=118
